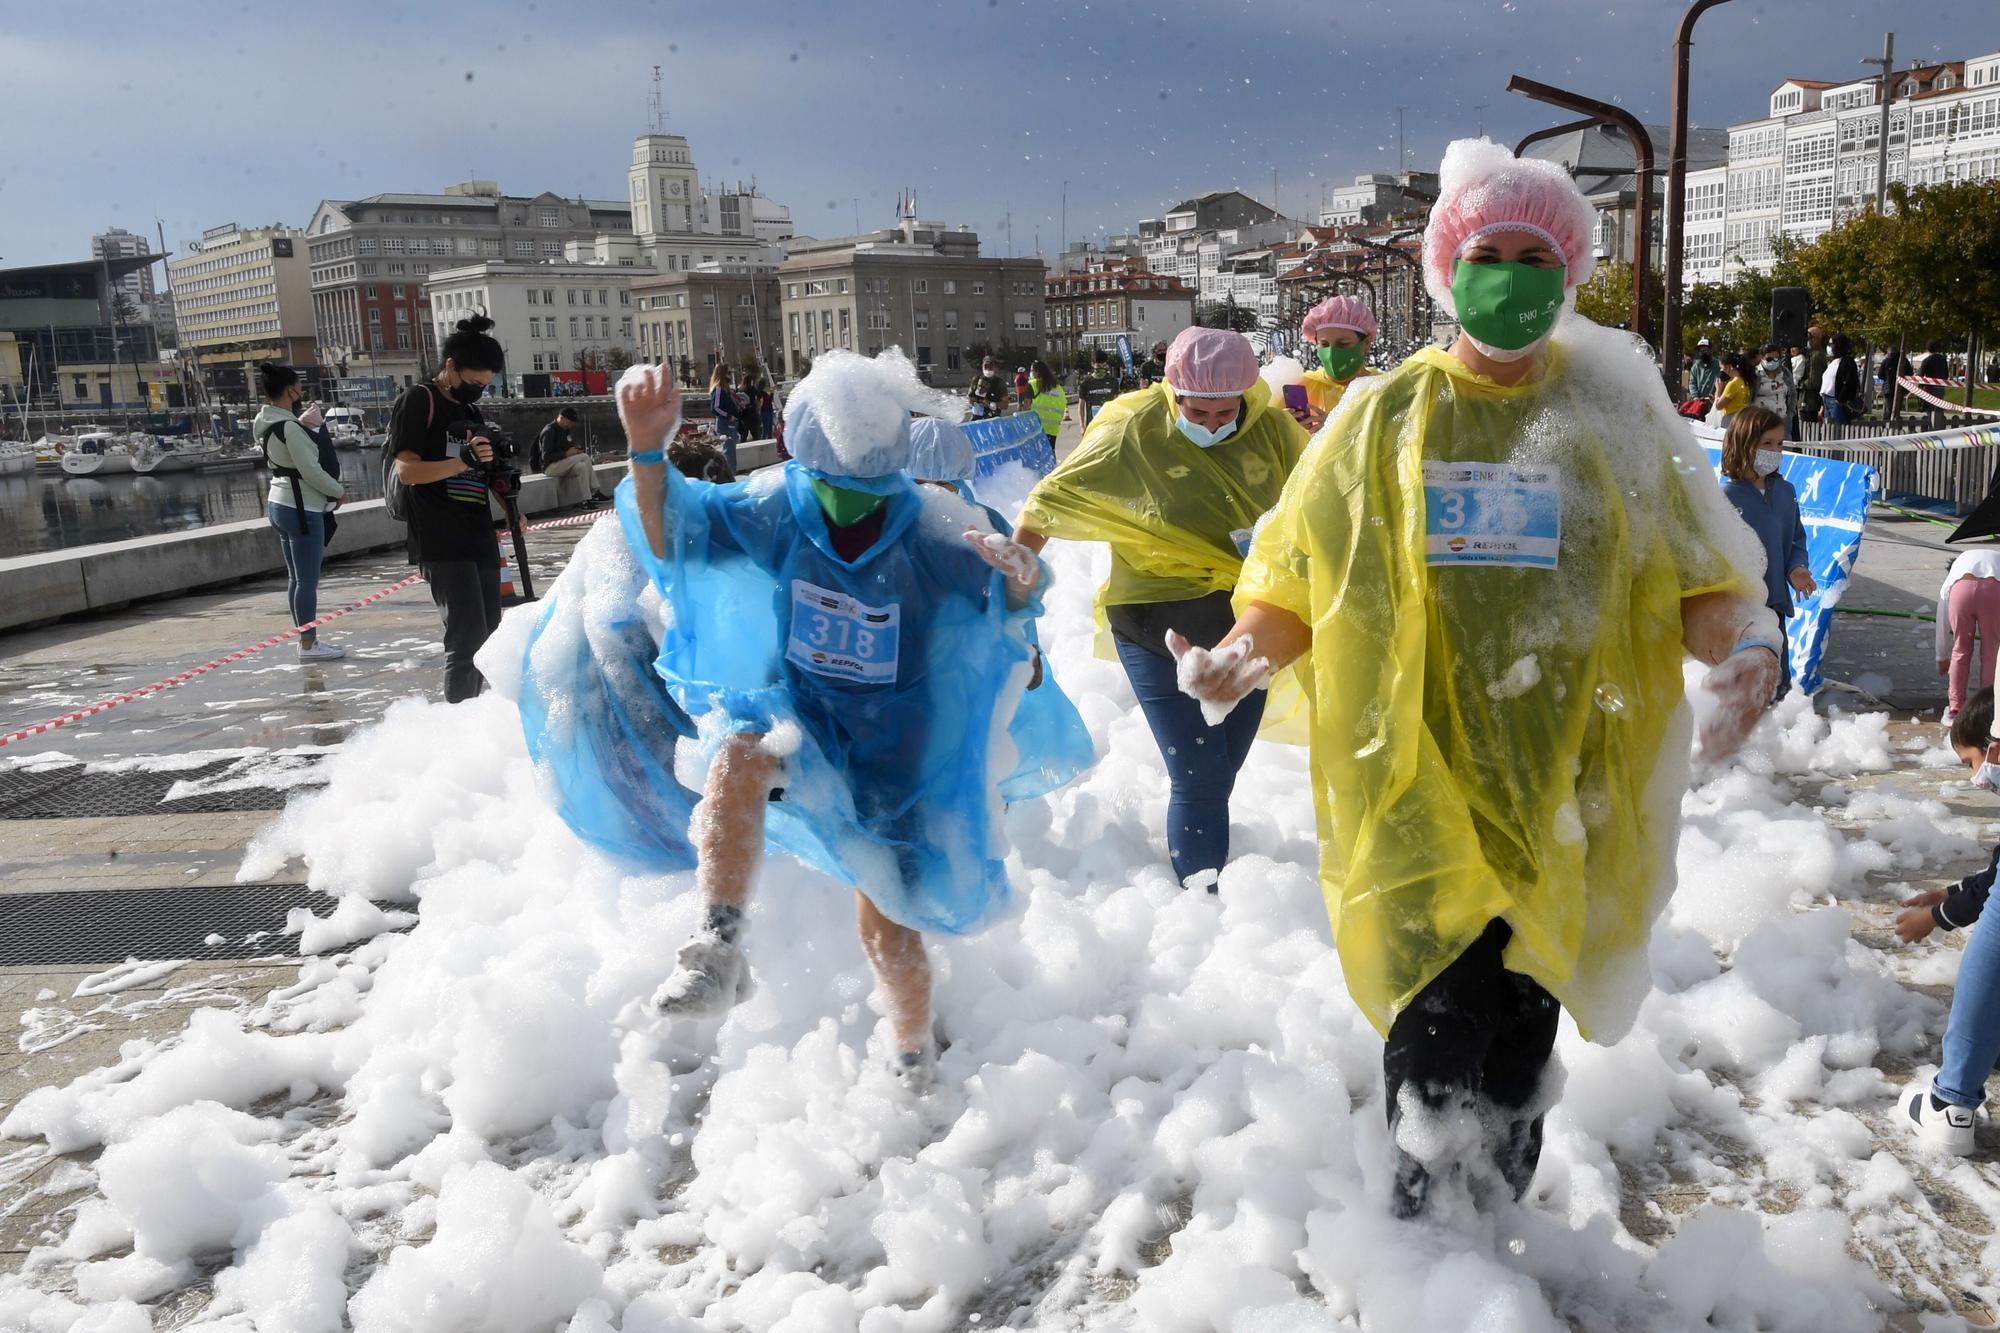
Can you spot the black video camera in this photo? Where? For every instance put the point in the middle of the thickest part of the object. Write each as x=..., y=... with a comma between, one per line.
x=501, y=473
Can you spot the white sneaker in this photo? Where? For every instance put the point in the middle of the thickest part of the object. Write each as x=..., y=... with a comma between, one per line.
x=1948, y=1129
x=322, y=651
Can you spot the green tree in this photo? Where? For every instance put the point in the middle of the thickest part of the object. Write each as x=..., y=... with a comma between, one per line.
x=1607, y=297
x=1943, y=273
x=1847, y=270
x=1706, y=310
x=616, y=362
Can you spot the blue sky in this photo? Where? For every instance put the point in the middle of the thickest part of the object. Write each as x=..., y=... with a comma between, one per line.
x=209, y=113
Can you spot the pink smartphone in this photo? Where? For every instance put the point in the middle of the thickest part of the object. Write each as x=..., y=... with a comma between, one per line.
x=1295, y=397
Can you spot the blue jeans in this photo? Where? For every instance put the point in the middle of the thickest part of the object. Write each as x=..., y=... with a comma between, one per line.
x=1836, y=415
x=1972, y=1036
x=302, y=538
x=1202, y=761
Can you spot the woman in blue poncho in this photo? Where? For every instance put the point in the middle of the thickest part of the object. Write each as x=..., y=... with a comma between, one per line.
x=852, y=651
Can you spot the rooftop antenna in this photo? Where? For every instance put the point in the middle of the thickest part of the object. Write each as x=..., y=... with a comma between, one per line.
x=656, y=106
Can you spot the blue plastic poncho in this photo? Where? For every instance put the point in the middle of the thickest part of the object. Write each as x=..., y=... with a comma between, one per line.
x=888, y=680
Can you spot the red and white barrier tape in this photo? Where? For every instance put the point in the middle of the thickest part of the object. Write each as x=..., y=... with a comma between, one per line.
x=182, y=678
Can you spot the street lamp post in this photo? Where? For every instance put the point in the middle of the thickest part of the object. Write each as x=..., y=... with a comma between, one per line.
x=1642, y=179
x=1677, y=134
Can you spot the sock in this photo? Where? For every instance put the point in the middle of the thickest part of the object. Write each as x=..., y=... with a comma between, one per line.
x=722, y=920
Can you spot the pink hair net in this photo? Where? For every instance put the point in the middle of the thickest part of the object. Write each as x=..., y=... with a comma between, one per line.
x=1484, y=188
x=1211, y=363
x=1339, y=312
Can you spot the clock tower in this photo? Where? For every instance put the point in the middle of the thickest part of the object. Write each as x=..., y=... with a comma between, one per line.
x=665, y=190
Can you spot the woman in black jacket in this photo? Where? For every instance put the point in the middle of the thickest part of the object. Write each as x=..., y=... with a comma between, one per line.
x=1840, y=388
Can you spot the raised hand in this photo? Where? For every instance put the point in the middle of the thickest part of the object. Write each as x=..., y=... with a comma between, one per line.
x=649, y=406
x=1218, y=680
x=1011, y=558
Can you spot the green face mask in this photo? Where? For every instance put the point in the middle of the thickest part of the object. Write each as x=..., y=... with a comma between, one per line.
x=845, y=508
x=1508, y=306
x=1342, y=362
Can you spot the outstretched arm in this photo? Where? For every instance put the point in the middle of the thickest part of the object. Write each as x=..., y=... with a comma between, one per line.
x=649, y=407
x=1264, y=641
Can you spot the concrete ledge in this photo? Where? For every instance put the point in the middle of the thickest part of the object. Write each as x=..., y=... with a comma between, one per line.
x=53, y=584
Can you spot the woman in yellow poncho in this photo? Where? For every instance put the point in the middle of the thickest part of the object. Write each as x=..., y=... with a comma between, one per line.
x=1174, y=477
x=1338, y=331
x=1495, y=557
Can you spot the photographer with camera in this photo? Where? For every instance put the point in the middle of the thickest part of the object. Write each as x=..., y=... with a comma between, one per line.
x=444, y=456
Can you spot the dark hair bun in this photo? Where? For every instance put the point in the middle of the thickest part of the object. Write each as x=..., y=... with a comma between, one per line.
x=475, y=324
x=274, y=377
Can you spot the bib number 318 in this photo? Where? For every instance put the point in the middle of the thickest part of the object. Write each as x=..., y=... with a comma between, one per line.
x=835, y=635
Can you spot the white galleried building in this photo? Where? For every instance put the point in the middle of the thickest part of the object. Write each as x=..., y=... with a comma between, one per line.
x=1812, y=161
x=547, y=317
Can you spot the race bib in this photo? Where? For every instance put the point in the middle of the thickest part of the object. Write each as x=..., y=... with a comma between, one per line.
x=1491, y=514
x=834, y=635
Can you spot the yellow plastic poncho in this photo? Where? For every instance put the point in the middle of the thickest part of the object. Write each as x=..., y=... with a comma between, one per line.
x=1493, y=741
x=1173, y=512
x=1324, y=392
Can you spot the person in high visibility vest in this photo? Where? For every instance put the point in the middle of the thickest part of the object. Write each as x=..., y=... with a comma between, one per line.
x=1049, y=400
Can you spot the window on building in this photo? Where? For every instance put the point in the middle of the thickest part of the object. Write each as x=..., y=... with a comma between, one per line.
x=548, y=296
x=979, y=289
x=572, y=327
x=921, y=286
x=534, y=296
x=708, y=298
x=82, y=386
x=371, y=291
x=549, y=217
x=921, y=320
x=489, y=247
x=924, y=355
x=792, y=291
x=1024, y=320
x=603, y=297
x=625, y=327
x=397, y=291
x=374, y=315
x=841, y=286
x=403, y=340
x=551, y=249
x=524, y=249
x=624, y=298
x=365, y=246
x=978, y=319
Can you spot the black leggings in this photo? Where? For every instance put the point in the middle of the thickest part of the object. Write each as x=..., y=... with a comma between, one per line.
x=469, y=595
x=1479, y=1034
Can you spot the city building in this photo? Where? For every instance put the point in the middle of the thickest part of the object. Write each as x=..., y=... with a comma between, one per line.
x=370, y=258
x=548, y=317
x=121, y=244
x=118, y=385
x=1381, y=262
x=919, y=286
x=681, y=225
x=692, y=319
x=1813, y=160
x=1085, y=257
x=65, y=315
x=1377, y=196
x=1092, y=309
x=1195, y=236
x=243, y=295
x=1604, y=165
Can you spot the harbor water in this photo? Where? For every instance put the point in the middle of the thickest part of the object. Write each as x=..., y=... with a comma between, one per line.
x=45, y=512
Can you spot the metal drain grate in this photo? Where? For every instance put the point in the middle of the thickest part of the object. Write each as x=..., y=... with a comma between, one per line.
x=73, y=792
x=111, y=925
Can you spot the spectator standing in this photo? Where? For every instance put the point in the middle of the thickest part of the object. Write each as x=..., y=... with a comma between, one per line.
x=438, y=439
x=1934, y=365
x=1840, y=383
x=1968, y=607
x=557, y=455
x=1737, y=383
x=722, y=404
x=1701, y=374
x=989, y=391
x=1752, y=451
x=1811, y=406
x=301, y=500
x=1775, y=391
x=1023, y=388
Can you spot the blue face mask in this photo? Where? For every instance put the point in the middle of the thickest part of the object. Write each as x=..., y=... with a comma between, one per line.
x=1202, y=435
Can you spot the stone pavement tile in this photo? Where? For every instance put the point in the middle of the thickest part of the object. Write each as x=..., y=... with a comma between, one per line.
x=109, y=852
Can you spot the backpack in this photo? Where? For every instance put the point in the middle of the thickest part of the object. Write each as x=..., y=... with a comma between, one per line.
x=291, y=474
x=395, y=495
